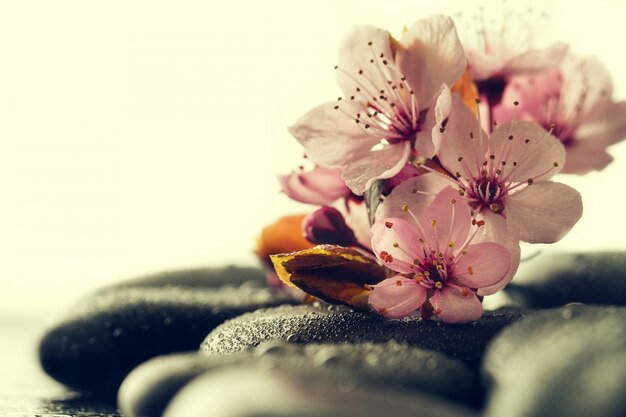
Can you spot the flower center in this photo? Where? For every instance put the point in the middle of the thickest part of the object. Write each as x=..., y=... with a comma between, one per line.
x=387, y=106
x=487, y=193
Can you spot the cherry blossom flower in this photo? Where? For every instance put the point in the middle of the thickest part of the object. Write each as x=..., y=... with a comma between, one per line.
x=319, y=186
x=437, y=260
x=419, y=192
x=575, y=101
x=505, y=176
x=501, y=42
x=387, y=111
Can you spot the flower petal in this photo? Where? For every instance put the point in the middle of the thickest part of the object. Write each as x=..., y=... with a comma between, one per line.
x=397, y=297
x=320, y=186
x=585, y=156
x=446, y=221
x=417, y=193
x=483, y=65
x=455, y=306
x=497, y=229
x=463, y=144
x=330, y=137
x=482, y=264
x=373, y=165
x=544, y=211
x=607, y=130
x=431, y=55
x=355, y=69
x=529, y=151
x=396, y=243
x=536, y=60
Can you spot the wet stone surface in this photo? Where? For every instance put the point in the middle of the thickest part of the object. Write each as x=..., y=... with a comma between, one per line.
x=260, y=391
x=148, y=389
x=113, y=330
x=562, y=362
x=556, y=279
x=309, y=324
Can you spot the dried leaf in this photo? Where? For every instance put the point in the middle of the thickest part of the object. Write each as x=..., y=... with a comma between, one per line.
x=285, y=235
x=331, y=273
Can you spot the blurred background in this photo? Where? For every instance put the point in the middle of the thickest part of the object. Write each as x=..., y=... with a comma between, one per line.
x=138, y=136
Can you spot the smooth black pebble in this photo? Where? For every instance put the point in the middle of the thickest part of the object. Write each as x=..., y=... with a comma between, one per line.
x=108, y=333
x=308, y=324
x=555, y=279
x=561, y=362
x=278, y=392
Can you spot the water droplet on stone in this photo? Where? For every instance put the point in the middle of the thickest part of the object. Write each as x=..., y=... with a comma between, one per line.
x=293, y=338
x=117, y=332
x=431, y=364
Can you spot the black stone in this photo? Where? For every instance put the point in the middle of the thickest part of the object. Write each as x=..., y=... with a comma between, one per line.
x=147, y=389
x=278, y=392
x=198, y=278
x=562, y=362
x=308, y=324
x=556, y=279
x=110, y=332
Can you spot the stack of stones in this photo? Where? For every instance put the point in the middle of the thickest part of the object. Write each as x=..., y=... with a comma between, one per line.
x=217, y=342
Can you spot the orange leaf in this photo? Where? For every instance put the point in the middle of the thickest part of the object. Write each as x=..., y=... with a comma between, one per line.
x=331, y=273
x=285, y=235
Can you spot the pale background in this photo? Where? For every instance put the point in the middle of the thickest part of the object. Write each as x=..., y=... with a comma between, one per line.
x=146, y=135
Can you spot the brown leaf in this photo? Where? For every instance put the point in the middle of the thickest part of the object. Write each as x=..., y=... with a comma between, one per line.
x=331, y=273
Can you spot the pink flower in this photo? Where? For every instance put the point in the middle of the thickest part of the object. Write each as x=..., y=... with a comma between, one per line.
x=575, y=100
x=500, y=42
x=319, y=186
x=437, y=259
x=386, y=113
x=505, y=176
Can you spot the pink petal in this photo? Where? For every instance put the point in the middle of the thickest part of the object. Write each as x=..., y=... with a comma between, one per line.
x=417, y=193
x=446, y=221
x=536, y=60
x=585, y=156
x=330, y=137
x=360, y=173
x=320, y=186
x=397, y=297
x=462, y=138
x=483, y=65
x=355, y=54
x=482, y=264
x=544, y=211
x=587, y=89
x=398, y=239
x=609, y=129
x=454, y=306
x=431, y=55
x=532, y=153
x=497, y=229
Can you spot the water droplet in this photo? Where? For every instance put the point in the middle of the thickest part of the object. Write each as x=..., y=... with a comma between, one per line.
x=270, y=348
x=293, y=338
x=117, y=332
x=168, y=320
x=567, y=314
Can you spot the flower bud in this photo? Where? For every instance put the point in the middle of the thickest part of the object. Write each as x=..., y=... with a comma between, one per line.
x=326, y=225
x=319, y=186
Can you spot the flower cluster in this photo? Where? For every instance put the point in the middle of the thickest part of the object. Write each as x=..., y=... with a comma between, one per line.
x=436, y=161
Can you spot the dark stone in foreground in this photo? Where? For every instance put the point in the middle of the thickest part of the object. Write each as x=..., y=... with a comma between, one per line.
x=308, y=324
x=261, y=392
x=566, y=362
x=147, y=389
x=553, y=280
x=109, y=333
